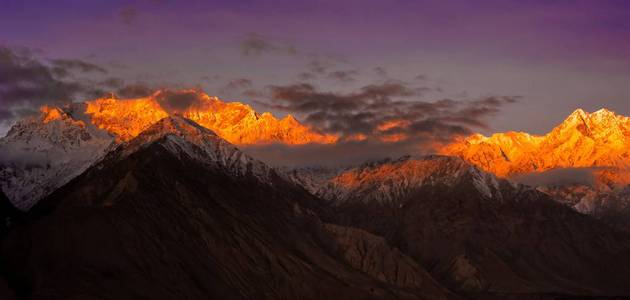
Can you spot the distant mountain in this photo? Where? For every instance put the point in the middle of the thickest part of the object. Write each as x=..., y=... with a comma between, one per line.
x=41, y=153
x=583, y=140
x=610, y=206
x=387, y=181
x=179, y=213
x=479, y=235
x=235, y=122
x=599, y=142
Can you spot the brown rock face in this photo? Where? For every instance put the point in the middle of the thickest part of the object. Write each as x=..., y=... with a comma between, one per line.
x=486, y=237
x=372, y=255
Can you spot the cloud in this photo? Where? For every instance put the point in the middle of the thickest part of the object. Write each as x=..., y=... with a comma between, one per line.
x=331, y=155
x=374, y=122
x=320, y=65
x=211, y=78
x=255, y=44
x=23, y=159
x=27, y=82
x=128, y=15
x=306, y=76
x=343, y=75
x=560, y=176
x=176, y=101
x=388, y=111
x=135, y=90
x=63, y=66
x=238, y=84
x=421, y=77
x=380, y=71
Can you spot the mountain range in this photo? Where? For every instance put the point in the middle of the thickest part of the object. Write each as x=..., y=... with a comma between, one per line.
x=235, y=122
x=587, y=155
x=43, y=152
x=136, y=199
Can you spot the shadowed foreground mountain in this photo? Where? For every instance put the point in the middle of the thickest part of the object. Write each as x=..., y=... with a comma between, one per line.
x=481, y=236
x=8, y=215
x=179, y=213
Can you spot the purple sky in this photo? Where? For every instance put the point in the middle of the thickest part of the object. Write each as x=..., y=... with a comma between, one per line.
x=556, y=55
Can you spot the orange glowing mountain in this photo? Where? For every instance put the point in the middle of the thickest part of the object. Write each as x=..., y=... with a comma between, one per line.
x=600, y=139
x=236, y=122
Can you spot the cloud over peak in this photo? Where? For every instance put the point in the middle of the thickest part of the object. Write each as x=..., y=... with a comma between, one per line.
x=255, y=44
x=373, y=105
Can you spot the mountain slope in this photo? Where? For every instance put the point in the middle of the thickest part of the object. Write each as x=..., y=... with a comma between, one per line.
x=179, y=213
x=9, y=215
x=479, y=235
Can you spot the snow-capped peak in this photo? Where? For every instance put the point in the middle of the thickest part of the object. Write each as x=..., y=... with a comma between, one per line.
x=184, y=137
x=43, y=152
x=389, y=180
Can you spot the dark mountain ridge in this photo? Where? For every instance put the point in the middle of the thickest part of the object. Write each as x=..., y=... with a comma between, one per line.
x=157, y=219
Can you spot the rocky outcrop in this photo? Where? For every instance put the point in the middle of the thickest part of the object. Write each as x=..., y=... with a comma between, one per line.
x=372, y=255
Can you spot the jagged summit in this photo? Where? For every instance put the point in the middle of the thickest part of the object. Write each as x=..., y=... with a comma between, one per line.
x=386, y=180
x=175, y=125
x=172, y=126
x=41, y=153
x=236, y=122
x=184, y=137
x=577, y=114
x=598, y=139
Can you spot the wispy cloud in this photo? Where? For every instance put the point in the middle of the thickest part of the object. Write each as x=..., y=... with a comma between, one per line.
x=63, y=67
x=238, y=84
x=27, y=82
x=255, y=44
x=343, y=75
x=560, y=176
x=363, y=111
x=377, y=120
